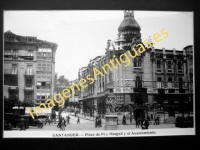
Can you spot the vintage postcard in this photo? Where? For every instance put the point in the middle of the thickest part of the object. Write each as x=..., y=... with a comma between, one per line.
x=98, y=73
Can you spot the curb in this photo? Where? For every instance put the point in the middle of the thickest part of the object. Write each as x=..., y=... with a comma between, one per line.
x=120, y=123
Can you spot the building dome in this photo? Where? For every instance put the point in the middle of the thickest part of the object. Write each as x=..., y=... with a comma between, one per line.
x=129, y=22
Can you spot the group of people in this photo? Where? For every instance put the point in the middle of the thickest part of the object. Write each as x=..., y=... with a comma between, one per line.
x=62, y=120
x=144, y=123
x=98, y=122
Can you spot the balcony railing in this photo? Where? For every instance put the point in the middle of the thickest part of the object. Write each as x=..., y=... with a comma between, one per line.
x=13, y=88
x=166, y=84
x=29, y=72
x=10, y=71
x=28, y=87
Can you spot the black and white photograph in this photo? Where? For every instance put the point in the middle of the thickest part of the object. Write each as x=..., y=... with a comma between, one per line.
x=98, y=73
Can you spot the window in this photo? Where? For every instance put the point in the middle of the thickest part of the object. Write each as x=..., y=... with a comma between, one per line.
x=158, y=64
x=159, y=79
x=169, y=65
x=169, y=82
x=179, y=66
x=180, y=80
x=15, y=52
x=138, y=83
x=30, y=67
x=14, y=68
x=43, y=83
x=44, y=52
x=28, y=96
x=137, y=63
x=30, y=53
x=42, y=97
x=7, y=52
x=29, y=82
x=48, y=54
x=39, y=53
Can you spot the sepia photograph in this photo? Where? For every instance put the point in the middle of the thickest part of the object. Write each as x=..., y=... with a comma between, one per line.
x=98, y=73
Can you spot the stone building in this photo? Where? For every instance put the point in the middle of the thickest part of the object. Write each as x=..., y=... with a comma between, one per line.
x=158, y=79
x=29, y=67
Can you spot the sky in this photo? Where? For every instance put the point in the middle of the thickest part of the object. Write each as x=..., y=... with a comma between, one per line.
x=83, y=35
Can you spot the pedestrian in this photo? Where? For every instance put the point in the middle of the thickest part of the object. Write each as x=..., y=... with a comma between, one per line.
x=117, y=121
x=78, y=120
x=155, y=120
x=131, y=119
x=148, y=118
x=96, y=120
x=100, y=122
x=68, y=119
x=177, y=121
x=64, y=121
x=136, y=121
x=158, y=120
x=59, y=123
x=22, y=126
x=124, y=120
x=141, y=122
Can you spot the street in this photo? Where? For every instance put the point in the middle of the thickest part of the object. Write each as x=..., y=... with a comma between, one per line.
x=90, y=125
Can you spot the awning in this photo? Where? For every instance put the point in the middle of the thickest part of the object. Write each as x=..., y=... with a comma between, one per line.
x=16, y=107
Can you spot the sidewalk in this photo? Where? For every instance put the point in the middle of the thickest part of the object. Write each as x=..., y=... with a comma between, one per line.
x=81, y=116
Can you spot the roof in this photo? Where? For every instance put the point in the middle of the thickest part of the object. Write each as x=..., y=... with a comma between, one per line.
x=129, y=22
x=19, y=38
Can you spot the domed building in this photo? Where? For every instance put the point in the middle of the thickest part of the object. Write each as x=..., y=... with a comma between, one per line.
x=158, y=82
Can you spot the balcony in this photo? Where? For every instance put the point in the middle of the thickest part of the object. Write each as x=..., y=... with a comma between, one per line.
x=29, y=73
x=28, y=88
x=13, y=88
x=140, y=90
x=11, y=71
x=170, y=85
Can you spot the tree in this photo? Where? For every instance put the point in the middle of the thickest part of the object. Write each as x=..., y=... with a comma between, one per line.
x=62, y=79
x=10, y=102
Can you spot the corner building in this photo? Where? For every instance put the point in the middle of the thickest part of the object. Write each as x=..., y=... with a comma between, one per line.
x=29, y=68
x=159, y=79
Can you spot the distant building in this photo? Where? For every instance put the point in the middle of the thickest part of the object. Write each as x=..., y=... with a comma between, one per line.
x=162, y=79
x=29, y=67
